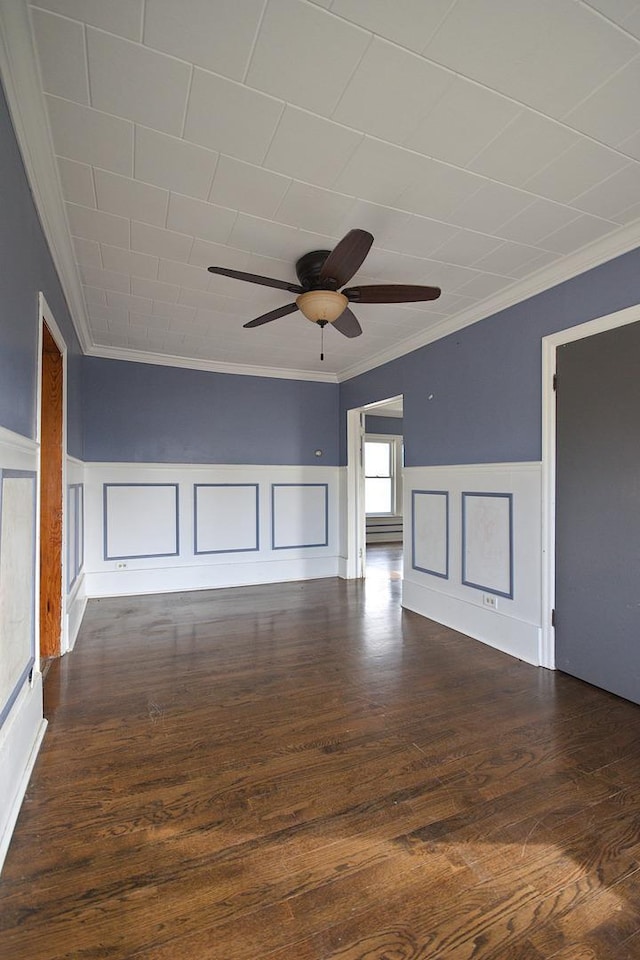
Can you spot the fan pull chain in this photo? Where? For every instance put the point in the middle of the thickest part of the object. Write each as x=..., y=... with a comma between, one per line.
x=322, y=324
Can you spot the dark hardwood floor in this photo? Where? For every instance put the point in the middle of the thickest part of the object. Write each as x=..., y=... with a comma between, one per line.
x=303, y=771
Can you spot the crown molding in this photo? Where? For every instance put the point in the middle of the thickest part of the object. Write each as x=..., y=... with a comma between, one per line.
x=20, y=75
x=593, y=255
x=213, y=366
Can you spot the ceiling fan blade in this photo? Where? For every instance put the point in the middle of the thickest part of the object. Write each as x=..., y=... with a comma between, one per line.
x=256, y=278
x=391, y=293
x=347, y=257
x=347, y=324
x=272, y=315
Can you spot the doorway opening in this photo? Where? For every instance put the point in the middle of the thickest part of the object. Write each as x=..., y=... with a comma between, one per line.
x=375, y=479
x=51, y=420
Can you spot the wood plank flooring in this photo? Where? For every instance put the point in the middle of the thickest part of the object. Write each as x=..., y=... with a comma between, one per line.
x=304, y=771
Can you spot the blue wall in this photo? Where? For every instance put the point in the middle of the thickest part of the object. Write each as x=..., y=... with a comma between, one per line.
x=27, y=268
x=485, y=380
x=141, y=412
x=386, y=425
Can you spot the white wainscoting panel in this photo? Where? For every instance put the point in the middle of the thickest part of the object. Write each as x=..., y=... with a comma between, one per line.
x=219, y=544
x=430, y=532
x=497, y=551
x=21, y=704
x=299, y=515
x=140, y=520
x=226, y=517
x=487, y=542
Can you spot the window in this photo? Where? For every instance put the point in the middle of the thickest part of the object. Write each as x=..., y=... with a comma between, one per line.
x=382, y=468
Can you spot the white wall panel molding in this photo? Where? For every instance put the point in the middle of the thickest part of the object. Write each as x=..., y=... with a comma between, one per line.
x=140, y=520
x=299, y=515
x=224, y=530
x=508, y=553
x=226, y=517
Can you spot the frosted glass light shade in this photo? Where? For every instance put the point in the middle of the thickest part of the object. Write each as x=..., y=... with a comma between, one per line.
x=322, y=305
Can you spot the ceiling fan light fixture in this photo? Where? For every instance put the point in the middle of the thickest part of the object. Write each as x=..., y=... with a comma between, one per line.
x=317, y=305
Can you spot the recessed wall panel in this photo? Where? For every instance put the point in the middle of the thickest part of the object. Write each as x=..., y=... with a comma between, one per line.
x=17, y=582
x=487, y=542
x=299, y=515
x=430, y=532
x=226, y=517
x=140, y=520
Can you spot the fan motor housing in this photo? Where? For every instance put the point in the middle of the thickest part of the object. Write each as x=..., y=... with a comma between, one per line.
x=308, y=270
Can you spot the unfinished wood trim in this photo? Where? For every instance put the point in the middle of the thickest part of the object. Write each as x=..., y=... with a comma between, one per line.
x=51, y=493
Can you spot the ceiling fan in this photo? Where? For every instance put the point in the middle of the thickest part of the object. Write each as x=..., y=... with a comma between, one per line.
x=320, y=273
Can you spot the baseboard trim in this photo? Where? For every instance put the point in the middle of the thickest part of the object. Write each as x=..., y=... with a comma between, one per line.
x=206, y=577
x=518, y=638
x=10, y=815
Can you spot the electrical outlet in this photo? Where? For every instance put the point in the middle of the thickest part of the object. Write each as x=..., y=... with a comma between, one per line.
x=121, y=565
x=490, y=600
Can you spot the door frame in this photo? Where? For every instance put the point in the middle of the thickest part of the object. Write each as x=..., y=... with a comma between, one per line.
x=356, y=516
x=45, y=316
x=550, y=345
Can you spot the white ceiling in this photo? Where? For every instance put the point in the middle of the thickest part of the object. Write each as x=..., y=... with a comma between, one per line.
x=491, y=146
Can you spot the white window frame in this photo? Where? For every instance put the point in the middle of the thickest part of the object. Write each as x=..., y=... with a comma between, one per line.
x=395, y=441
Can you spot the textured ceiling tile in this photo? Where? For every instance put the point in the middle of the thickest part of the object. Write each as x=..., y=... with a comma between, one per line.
x=314, y=209
x=246, y=187
x=612, y=197
x=491, y=206
x=391, y=110
x=380, y=172
x=465, y=248
x=230, y=118
x=266, y=238
x=205, y=220
x=217, y=36
x=97, y=225
x=160, y=243
x=61, y=52
x=577, y=234
x=611, y=114
x=131, y=198
x=131, y=81
x=523, y=148
x=310, y=148
x=507, y=258
x=579, y=168
x=124, y=301
x=206, y=254
x=310, y=74
x=439, y=190
x=89, y=136
x=537, y=221
x=183, y=275
x=106, y=279
x=549, y=54
x=173, y=163
x=463, y=121
x=122, y=17
x=77, y=182
x=410, y=23
x=129, y=262
x=418, y=236
x=154, y=289
x=87, y=252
